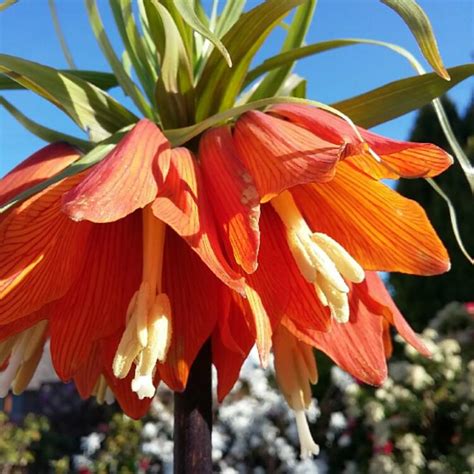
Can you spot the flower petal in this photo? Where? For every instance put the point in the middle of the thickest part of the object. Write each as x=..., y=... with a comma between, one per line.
x=399, y=159
x=40, y=166
x=381, y=229
x=280, y=155
x=197, y=299
x=232, y=195
x=96, y=305
x=126, y=180
x=41, y=252
x=22, y=324
x=377, y=298
x=183, y=205
x=356, y=346
x=232, y=340
x=86, y=377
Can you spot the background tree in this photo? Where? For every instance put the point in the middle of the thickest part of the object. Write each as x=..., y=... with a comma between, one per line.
x=418, y=297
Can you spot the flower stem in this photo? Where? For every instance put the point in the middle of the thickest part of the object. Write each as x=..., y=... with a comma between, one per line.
x=193, y=419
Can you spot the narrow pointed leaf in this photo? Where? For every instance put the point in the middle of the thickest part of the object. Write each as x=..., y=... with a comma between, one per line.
x=7, y=3
x=60, y=35
x=124, y=79
x=296, y=34
x=134, y=44
x=419, y=24
x=231, y=13
x=103, y=80
x=45, y=133
x=91, y=108
x=400, y=97
x=186, y=10
x=218, y=85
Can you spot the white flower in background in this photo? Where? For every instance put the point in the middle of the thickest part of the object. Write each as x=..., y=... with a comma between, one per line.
x=418, y=378
x=411, y=452
x=383, y=464
x=341, y=379
x=149, y=430
x=374, y=412
x=90, y=444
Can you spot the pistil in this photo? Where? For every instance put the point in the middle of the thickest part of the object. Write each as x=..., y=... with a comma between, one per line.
x=321, y=260
x=295, y=369
x=147, y=335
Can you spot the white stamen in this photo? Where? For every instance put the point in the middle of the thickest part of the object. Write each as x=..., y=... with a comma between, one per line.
x=320, y=259
x=308, y=447
x=345, y=263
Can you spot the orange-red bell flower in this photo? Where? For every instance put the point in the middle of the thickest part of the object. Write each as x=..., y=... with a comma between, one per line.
x=271, y=235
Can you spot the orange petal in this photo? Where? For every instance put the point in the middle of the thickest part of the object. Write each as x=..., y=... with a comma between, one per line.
x=232, y=194
x=380, y=229
x=229, y=357
x=399, y=159
x=280, y=155
x=356, y=346
x=22, y=324
x=40, y=166
x=126, y=180
x=86, y=377
x=96, y=305
x=41, y=252
x=377, y=298
x=183, y=205
x=197, y=299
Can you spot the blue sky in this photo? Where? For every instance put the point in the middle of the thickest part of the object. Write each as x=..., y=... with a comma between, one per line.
x=26, y=30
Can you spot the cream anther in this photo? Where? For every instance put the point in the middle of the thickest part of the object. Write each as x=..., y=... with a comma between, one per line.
x=320, y=259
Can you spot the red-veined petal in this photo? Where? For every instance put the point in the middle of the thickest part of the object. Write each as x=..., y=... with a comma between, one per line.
x=381, y=229
x=183, y=204
x=356, y=346
x=96, y=305
x=377, y=298
x=40, y=166
x=41, y=252
x=280, y=155
x=232, y=195
x=399, y=159
x=197, y=299
x=231, y=342
x=125, y=180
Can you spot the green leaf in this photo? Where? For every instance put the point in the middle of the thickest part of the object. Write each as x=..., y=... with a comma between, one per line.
x=186, y=10
x=91, y=108
x=218, y=85
x=231, y=13
x=134, y=44
x=174, y=89
x=103, y=80
x=123, y=78
x=419, y=24
x=98, y=153
x=400, y=97
x=60, y=35
x=46, y=134
x=294, y=39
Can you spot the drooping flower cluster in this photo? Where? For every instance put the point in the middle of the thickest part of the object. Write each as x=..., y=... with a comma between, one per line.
x=270, y=235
